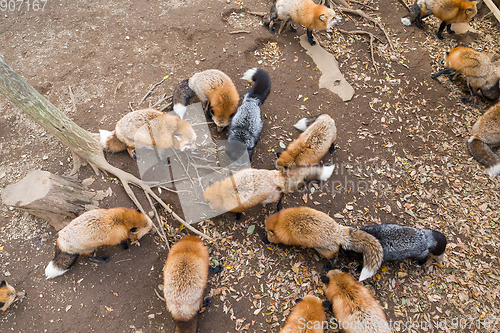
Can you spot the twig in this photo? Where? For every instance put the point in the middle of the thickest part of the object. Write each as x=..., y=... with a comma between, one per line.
x=158, y=184
x=366, y=17
x=151, y=90
x=196, y=170
x=364, y=5
x=161, y=100
x=161, y=231
x=72, y=98
x=161, y=298
x=122, y=260
x=165, y=106
x=372, y=37
x=118, y=86
x=404, y=4
x=174, y=191
x=239, y=32
x=130, y=106
x=261, y=14
x=186, y=171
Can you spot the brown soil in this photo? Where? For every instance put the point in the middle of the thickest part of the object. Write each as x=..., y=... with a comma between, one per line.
x=401, y=159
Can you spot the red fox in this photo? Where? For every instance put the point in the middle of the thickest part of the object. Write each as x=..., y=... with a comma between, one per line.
x=308, y=316
x=354, y=308
x=485, y=136
x=248, y=187
x=319, y=134
x=304, y=12
x=149, y=127
x=311, y=228
x=8, y=295
x=448, y=11
x=216, y=92
x=96, y=228
x=476, y=67
x=184, y=279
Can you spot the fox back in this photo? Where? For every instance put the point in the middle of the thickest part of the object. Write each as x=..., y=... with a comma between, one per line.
x=307, y=13
x=308, y=312
x=449, y=11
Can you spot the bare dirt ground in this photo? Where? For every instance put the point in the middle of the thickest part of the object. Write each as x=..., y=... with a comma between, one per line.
x=401, y=158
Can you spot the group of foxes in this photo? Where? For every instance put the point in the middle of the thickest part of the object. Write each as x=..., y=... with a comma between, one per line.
x=187, y=268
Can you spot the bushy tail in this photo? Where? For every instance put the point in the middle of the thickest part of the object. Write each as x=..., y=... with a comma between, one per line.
x=60, y=264
x=182, y=94
x=304, y=123
x=296, y=177
x=484, y=155
x=412, y=15
x=187, y=326
x=373, y=253
x=260, y=90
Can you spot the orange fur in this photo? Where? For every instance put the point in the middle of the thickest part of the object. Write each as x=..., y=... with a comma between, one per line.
x=449, y=11
x=184, y=280
x=248, y=187
x=307, y=13
x=308, y=316
x=151, y=127
x=217, y=88
x=353, y=305
x=100, y=227
x=311, y=145
x=8, y=295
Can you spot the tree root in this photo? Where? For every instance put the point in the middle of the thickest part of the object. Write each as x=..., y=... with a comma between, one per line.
x=372, y=38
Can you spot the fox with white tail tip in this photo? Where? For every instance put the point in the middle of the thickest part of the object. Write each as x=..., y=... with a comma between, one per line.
x=246, y=125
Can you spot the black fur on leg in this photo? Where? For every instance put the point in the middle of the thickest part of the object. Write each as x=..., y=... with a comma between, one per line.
x=215, y=270
x=328, y=267
x=327, y=305
x=134, y=156
x=292, y=29
x=472, y=94
x=359, y=269
x=238, y=216
x=297, y=300
x=420, y=261
x=64, y=260
x=280, y=203
x=278, y=154
x=332, y=148
x=345, y=269
x=441, y=29
x=447, y=71
x=325, y=279
x=95, y=258
x=270, y=18
x=448, y=28
x=124, y=244
x=310, y=37
x=420, y=24
x=206, y=302
x=266, y=240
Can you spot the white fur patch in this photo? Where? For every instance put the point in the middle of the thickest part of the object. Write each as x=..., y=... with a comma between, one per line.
x=440, y=257
x=105, y=135
x=180, y=110
x=51, y=271
x=327, y=172
x=494, y=170
x=249, y=74
x=301, y=125
x=406, y=21
x=366, y=274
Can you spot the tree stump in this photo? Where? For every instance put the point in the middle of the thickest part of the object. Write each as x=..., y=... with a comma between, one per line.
x=55, y=199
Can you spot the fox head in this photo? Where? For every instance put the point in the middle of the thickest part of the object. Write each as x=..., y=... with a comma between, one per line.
x=223, y=105
x=324, y=18
x=469, y=10
x=8, y=295
x=184, y=137
x=137, y=223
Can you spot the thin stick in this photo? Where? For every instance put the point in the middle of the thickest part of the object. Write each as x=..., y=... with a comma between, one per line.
x=158, y=184
x=151, y=90
x=199, y=178
x=165, y=106
x=130, y=106
x=161, y=100
x=161, y=232
x=72, y=98
x=372, y=37
x=364, y=5
x=157, y=294
x=239, y=32
x=118, y=86
x=186, y=171
x=404, y=4
x=261, y=14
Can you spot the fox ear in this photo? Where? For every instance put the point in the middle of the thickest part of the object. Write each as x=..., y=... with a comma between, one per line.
x=3, y=283
x=322, y=17
x=178, y=137
x=133, y=230
x=2, y=304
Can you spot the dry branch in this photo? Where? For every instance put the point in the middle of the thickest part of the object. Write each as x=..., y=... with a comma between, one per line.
x=80, y=141
x=372, y=37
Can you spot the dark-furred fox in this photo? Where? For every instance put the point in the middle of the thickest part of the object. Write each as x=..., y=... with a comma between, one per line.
x=448, y=11
x=319, y=134
x=96, y=228
x=216, y=92
x=304, y=12
x=311, y=228
x=477, y=69
x=485, y=136
x=246, y=125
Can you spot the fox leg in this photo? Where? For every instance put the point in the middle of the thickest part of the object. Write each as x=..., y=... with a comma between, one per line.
x=215, y=270
x=292, y=29
x=420, y=261
x=310, y=37
x=269, y=19
x=441, y=29
x=206, y=302
x=95, y=258
x=124, y=244
x=448, y=28
x=332, y=148
x=472, y=94
x=280, y=203
x=447, y=71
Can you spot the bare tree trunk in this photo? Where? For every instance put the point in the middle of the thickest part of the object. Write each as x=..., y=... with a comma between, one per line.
x=80, y=141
